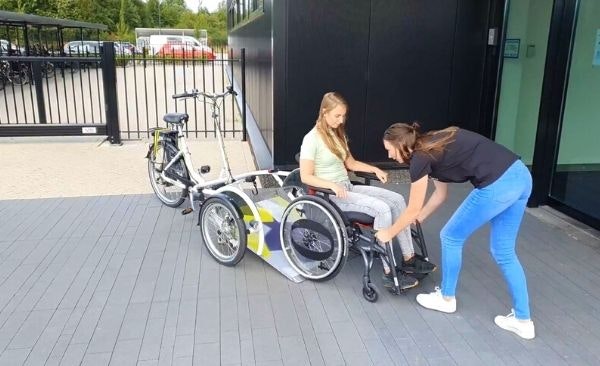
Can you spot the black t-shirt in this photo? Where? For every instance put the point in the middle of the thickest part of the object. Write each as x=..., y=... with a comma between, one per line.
x=470, y=157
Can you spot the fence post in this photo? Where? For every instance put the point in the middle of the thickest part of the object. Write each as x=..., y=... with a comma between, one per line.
x=39, y=90
x=243, y=66
x=109, y=79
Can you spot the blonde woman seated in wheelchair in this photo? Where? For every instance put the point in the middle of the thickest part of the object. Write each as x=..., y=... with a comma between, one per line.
x=325, y=160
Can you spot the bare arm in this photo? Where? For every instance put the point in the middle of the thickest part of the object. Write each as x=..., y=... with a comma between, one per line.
x=308, y=177
x=358, y=166
x=418, y=190
x=437, y=198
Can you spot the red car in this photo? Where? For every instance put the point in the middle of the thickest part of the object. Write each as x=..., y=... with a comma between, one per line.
x=186, y=50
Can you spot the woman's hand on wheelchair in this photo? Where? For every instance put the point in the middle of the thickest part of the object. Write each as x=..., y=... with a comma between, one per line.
x=384, y=235
x=381, y=175
x=339, y=190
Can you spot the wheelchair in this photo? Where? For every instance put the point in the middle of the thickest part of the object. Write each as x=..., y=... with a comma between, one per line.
x=316, y=236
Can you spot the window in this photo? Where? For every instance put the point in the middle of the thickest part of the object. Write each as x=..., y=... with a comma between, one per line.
x=240, y=12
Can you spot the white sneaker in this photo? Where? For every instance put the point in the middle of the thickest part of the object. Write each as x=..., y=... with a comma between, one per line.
x=524, y=329
x=435, y=301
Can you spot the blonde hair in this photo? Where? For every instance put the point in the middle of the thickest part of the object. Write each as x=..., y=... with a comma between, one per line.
x=407, y=138
x=334, y=138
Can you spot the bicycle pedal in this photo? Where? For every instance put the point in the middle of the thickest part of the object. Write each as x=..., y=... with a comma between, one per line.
x=204, y=169
x=187, y=211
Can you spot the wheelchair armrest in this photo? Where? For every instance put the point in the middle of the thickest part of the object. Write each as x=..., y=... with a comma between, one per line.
x=326, y=191
x=368, y=177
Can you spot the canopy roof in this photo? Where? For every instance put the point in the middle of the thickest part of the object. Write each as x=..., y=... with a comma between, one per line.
x=146, y=32
x=8, y=17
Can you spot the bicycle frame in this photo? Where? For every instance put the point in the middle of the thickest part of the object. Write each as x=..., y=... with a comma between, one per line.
x=225, y=177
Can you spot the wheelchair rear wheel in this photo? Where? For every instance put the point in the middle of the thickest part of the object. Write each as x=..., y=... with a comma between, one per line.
x=223, y=230
x=313, y=238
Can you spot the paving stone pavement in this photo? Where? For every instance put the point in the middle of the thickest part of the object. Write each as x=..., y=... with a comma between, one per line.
x=119, y=279
x=87, y=166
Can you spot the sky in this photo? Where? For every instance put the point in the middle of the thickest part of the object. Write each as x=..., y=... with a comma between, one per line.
x=211, y=5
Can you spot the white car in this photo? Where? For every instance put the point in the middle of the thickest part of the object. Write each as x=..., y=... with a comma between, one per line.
x=91, y=48
x=6, y=45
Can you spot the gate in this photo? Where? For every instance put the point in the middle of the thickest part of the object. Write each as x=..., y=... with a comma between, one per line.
x=59, y=96
x=115, y=95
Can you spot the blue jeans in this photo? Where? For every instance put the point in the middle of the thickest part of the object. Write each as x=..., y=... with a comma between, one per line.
x=502, y=203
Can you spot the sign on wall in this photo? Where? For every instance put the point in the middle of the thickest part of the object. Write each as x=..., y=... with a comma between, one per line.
x=596, y=60
x=511, y=47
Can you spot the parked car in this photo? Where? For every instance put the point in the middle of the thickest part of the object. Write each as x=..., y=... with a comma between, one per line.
x=186, y=50
x=179, y=47
x=91, y=48
x=125, y=48
x=9, y=48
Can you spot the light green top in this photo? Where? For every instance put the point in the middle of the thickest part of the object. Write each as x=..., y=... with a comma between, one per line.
x=327, y=165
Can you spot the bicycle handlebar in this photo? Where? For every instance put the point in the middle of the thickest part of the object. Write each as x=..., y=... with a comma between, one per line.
x=197, y=93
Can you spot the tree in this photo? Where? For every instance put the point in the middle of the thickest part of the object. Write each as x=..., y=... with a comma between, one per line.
x=122, y=16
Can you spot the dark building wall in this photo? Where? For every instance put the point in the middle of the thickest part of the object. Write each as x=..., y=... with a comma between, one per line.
x=255, y=37
x=393, y=60
x=327, y=50
x=410, y=60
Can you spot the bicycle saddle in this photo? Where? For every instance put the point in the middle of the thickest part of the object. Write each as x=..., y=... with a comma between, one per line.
x=176, y=118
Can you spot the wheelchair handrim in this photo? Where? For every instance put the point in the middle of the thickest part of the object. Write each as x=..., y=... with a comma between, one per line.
x=291, y=254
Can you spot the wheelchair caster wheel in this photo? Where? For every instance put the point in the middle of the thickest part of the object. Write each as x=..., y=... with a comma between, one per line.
x=369, y=293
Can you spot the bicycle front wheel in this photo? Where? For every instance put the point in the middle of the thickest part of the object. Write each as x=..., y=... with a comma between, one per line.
x=20, y=77
x=160, y=156
x=223, y=230
x=48, y=70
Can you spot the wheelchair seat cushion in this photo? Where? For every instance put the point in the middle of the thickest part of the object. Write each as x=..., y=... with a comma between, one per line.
x=359, y=217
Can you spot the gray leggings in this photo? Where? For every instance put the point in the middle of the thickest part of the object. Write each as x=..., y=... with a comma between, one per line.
x=384, y=205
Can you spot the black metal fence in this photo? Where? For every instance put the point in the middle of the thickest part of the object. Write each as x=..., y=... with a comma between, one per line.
x=118, y=94
x=147, y=82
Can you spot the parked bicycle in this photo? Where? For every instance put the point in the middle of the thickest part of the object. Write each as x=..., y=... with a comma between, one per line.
x=13, y=72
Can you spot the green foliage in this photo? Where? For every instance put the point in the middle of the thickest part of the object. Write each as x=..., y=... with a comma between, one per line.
x=123, y=16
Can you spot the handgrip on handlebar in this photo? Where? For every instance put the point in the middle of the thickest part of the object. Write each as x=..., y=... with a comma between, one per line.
x=230, y=90
x=185, y=94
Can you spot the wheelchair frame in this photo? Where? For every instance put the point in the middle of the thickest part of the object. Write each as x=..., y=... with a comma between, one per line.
x=348, y=233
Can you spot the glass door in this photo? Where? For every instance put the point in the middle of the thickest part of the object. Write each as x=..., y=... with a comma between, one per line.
x=576, y=177
x=522, y=75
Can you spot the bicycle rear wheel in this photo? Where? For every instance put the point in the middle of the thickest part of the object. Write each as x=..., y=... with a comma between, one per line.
x=160, y=156
x=20, y=77
x=223, y=230
x=48, y=69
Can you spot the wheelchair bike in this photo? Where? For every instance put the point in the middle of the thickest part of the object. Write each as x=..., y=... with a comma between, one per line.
x=317, y=236
x=297, y=230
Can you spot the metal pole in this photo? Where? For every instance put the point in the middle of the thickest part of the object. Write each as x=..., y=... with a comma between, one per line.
x=39, y=90
x=109, y=79
x=243, y=66
x=159, y=25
